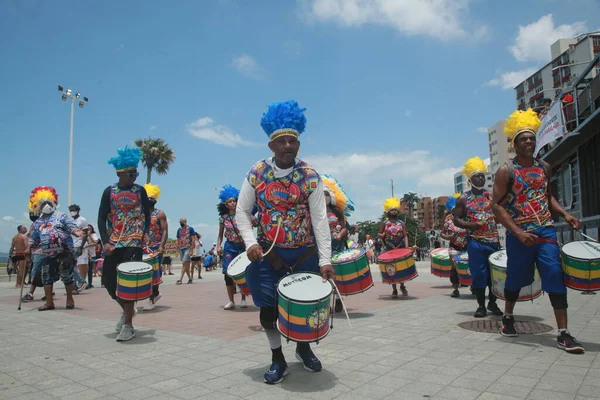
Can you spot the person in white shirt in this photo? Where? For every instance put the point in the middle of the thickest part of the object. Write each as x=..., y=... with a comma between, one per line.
x=79, y=245
x=197, y=257
x=92, y=241
x=290, y=199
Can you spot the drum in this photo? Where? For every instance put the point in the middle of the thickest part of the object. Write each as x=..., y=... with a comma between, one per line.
x=462, y=268
x=154, y=261
x=134, y=281
x=352, y=271
x=237, y=271
x=581, y=263
x=397, y=266
x=440, y=263
x=304, y=303
x=498, y=269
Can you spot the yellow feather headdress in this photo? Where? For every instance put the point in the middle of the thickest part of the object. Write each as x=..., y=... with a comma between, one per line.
x=40, y=194
x=521, y=121
x=339, y=198
x=391, y=203
x=153, y=191
x=456, y=195
x=474, y=166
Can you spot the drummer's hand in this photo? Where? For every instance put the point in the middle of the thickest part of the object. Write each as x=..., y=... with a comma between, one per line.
x=255, y=253
x=572, y=221
x=146, y=239
x=108, y=248
x=528, y=239
x=219, y=250
x=161, y=249
x=327, y=272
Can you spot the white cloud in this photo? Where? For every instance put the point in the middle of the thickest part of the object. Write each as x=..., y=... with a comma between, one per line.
x=508, y=80
x=366, y=176
x=533, y=41
x=482, y=129
x=248, y=66
x=8, y=219
x=408, y=113
x=153, y=127
x=441, y=19
x=205, y=128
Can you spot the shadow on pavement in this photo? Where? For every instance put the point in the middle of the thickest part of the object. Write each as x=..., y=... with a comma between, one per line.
x=355, y=315
x=531, y=318
x=297, y=379
x=399, y=298
x=141, y=337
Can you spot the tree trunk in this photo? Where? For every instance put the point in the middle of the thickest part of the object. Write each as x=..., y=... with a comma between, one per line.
x=148, y=175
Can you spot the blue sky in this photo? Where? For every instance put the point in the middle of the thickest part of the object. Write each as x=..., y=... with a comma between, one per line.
x=393, y=89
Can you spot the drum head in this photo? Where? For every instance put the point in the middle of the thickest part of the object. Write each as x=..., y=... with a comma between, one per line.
x=238, y=265
x=134, y=267
x=441, y=252
x=499, y=259
x=583, y=250
x=394, y=255
x=462, y=257
x=347, y=256
x=305, y=287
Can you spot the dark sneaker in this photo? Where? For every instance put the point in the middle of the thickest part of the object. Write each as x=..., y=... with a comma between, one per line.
x=338, y=305
x=394, y=293
x=480, y=313
x=455, y=293
x=568, y=343
x=178, y=282
x=27, y=297
x=508, y=327
x=494, y=309
x=403, y=290
x=310, y=361
x=276, y=373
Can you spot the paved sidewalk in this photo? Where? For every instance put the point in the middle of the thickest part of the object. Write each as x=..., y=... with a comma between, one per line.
x=190, y=348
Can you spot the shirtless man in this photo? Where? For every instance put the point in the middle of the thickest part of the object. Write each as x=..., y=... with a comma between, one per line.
x=18, y=249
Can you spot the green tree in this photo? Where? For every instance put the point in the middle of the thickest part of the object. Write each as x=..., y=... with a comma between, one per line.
x=156, y=155
x=441, y=211
x=410, y=199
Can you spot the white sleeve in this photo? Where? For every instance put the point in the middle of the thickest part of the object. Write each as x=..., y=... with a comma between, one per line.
x=320, y=224
x=243, y=213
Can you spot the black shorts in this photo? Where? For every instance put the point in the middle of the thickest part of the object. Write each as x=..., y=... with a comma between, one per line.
x=166, y=261
x=196, y=259
x=109, y=268
x=18, y=257
x=228, y=280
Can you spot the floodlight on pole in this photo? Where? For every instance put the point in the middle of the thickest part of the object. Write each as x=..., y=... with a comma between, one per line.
x=65, y=94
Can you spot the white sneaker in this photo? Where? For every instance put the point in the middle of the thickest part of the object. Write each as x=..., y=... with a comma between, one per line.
x=150, y=306
x=121, y=322
x=244, y=303
x=157, y=298
x=127, y=333
x=229, y=306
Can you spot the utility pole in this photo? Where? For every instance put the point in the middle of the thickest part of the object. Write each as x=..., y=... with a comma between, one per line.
x=392, y=183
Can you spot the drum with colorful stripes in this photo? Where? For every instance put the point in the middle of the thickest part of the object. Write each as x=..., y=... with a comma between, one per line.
x=440, y=263
x=397, y=266
x=352, y=271
x=154, y=261
x=304, y=304
x=498, y=262
x=581, y=263
x=462, y=268
x=134, y=281
x=237, y=271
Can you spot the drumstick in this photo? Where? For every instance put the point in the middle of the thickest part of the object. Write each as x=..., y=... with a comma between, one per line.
x=342, y=301
x=586, y=236
x=275, y=239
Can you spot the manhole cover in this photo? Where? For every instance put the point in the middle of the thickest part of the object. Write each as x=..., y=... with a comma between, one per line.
x=493, y=326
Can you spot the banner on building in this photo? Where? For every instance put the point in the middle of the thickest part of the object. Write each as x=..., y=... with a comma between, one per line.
x=552, y=127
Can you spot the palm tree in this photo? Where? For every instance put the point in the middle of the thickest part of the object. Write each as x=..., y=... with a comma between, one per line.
x=410, y=199
x=156, y=155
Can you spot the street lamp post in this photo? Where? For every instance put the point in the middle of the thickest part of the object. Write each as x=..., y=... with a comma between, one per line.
x=68, y=94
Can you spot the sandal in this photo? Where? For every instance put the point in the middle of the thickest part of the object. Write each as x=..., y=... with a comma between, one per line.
x=46, y=307
x=70, y=306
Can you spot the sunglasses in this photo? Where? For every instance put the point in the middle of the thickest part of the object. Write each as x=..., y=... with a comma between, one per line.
x=133, y=174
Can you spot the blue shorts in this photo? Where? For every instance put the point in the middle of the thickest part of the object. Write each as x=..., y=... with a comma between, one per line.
x=230, y=251
x=184, y=255
x=262, y=278
x=479, y=253
x=545, y=256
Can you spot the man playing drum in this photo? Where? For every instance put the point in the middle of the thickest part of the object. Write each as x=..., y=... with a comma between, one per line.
x=123, y=224
x=473, y=212
x=458, y=242
x=291, y=204
x=523, y=203
x=393, y=234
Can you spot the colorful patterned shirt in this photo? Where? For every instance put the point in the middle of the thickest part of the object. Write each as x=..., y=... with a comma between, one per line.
x=232, y=234
x=393, y=233
x=479, y=208
x=284, y=199
x=155, y=232
x=51, y=235
x=458, y=236
x=126, y=212
x=527, y=202
x=184, y=237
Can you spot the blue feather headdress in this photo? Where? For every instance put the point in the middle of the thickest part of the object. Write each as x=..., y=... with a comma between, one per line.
x=228, y=192
x=451, y=203
x=285, y=118
x=128, y=158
